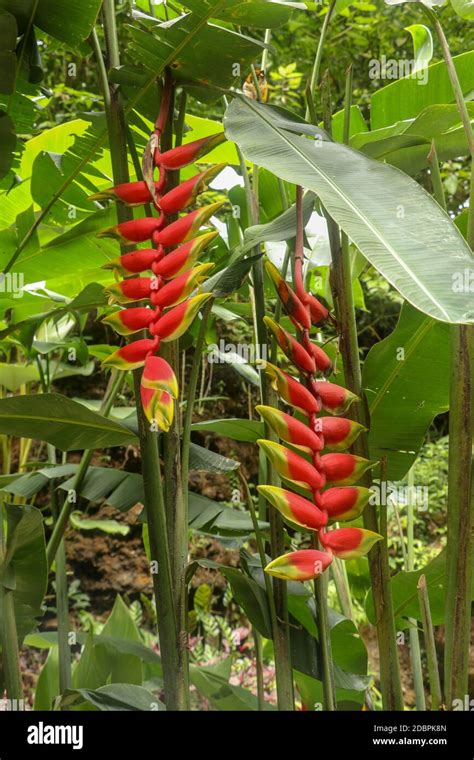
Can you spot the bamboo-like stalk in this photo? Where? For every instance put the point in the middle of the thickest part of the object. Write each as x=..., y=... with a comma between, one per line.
x=459, y=543
x=324, y=632
x=430, y=646
x=341, y=283
x=62, y=604
x=259, y=669
x=175, y=490
x=415, y=654
x=176, y=692
x=191, y=393
x=8, y=632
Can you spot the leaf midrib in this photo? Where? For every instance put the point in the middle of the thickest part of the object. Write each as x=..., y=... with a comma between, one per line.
x=351, y=206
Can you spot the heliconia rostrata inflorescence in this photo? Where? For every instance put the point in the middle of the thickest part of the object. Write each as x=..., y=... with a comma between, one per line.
x=342, y=500
x=176, y=247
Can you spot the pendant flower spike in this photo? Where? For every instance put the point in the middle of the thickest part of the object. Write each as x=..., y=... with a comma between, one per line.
x=171, y=290
x=323, y=469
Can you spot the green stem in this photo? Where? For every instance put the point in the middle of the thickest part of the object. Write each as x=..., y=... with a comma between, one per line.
x=324, y=633
x=314, y=79
x=10, y=651
x=8, y=631
x=436, y=181
x=430, y=646
x=113, y=387
x=175, y=697
x=171, y=645
x=461, y=468
x=415, y=653
x=459, y=528
x=191, y=394
x=175, y=494
x=259, y=669
x=62, y=603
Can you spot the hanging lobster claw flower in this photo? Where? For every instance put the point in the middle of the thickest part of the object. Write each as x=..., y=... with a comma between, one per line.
x=128, y=321
x=294, y=508
x=291, y=466
x=290, y=429
x=158, y=407
x=158, y=375
x=134, y=231
x=293, y=350
x=334, y=398
x=134, y=262
x=321, y=359
x=186, y=193
x=187, y=226
x=318, y=312
x=290, y=389
x=339, y=432
x=128, y=291
x=291, y=303
x=180, y=288
x=303, y=565
x=182, y=258
x=182, y=155
x=345, y=503
x=349, y=543
x=175, y=322
x=344, y=469
x=130, y=193
x=132, y=355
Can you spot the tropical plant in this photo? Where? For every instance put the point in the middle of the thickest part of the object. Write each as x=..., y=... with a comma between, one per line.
x=126, y=328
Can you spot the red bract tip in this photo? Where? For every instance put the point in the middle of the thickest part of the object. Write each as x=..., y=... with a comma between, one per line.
x=319, y=313
x=182, y=155
x=135, y=231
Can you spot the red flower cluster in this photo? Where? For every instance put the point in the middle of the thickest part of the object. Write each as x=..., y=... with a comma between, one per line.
x=314, y=436
x=176, y=248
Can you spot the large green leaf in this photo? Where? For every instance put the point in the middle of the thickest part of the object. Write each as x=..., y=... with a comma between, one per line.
x=205, y=459
x=68, y=22
x=405, y=98
x=401, y=230
x=25, y=571
x=398, y=378
x=58, y=420
x=281, y=228
x=161, y=43
x=116, y=697
x=216, y=518
x=348, y=649
x=13, y=376
x=247, y=593
x=405, y=593
x=222, y=695
x=406, y=144
x=239, y=430
x=464, y=8
x=101, y=662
